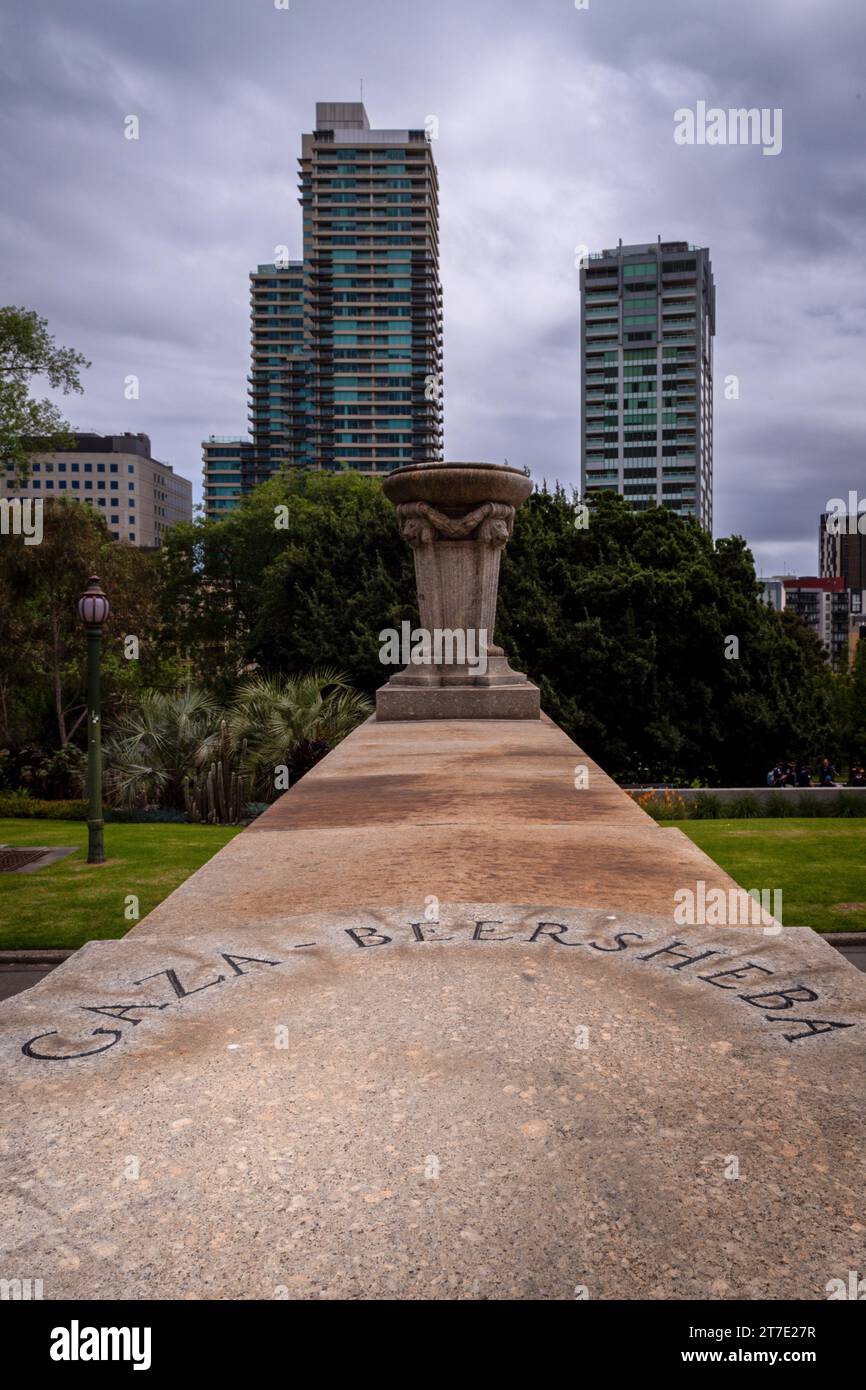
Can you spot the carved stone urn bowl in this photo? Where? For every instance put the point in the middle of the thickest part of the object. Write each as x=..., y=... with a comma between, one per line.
x=458, y=486
x=458, y=517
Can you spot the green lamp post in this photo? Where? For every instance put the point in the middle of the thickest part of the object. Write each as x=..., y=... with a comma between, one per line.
x=93, y=609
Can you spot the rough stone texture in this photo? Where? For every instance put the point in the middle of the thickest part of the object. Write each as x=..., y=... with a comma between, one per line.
x=429, y=1119
x=457, y=517
x=457, y=1111
x=492, y=702
x=465, y=810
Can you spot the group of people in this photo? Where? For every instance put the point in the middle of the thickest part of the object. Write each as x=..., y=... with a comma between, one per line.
x=788, y=773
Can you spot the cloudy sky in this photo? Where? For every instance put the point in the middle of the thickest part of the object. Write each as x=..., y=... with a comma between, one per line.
x=555, y=131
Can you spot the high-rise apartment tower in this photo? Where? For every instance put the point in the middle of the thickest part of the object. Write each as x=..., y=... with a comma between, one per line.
x=346, y=344
x=647, y=325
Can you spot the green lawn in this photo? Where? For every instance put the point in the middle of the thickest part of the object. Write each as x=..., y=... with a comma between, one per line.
x=71, y=902
x=818, y=864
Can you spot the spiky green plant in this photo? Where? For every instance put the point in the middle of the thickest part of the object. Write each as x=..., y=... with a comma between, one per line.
x=293, y=721
x=153, y=746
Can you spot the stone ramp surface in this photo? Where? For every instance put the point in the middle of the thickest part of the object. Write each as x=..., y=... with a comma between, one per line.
x=463, y=810
x=511, y=1102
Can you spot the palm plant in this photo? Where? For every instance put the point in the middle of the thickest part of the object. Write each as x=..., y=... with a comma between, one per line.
x=154, y=746
x=293, y=721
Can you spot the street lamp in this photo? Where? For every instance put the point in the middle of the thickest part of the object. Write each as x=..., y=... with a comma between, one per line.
x=93, y=609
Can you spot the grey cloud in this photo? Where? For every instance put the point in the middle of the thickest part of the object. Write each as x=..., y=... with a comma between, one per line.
x=556, y=128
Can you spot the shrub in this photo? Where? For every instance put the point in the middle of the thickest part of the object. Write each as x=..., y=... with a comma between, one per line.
x=778, y=805
x=33, y=808
x=57, y=772
x=667, y=806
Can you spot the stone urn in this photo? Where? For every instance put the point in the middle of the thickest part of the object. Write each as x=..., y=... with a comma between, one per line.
x=457, y=517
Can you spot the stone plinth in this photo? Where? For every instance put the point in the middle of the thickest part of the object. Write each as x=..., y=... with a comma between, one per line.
x=508, y=1102
x=429, y=1030
x=457, y=517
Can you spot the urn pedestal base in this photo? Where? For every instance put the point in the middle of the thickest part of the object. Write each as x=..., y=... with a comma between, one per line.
x=458, y=702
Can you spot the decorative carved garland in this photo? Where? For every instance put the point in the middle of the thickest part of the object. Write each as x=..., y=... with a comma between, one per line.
x=421, y=524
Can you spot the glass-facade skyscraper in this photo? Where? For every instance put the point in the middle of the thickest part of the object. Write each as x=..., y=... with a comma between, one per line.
x=647, y=325
x=346, y=344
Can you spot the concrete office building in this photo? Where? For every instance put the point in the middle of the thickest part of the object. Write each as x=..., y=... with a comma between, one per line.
x=347, y=343
x=647, y=325
x=139, y=497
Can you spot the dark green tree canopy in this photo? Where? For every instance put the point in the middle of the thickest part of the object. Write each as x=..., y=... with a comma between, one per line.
x=623, y=624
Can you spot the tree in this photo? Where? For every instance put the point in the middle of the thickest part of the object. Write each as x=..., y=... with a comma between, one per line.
x=858, y=703
x=245, y=594
x=27, y=350
x=625, y=624
x=43, y=659
x=852, y=707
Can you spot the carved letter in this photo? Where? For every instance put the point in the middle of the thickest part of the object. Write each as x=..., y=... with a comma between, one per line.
x=359, y=933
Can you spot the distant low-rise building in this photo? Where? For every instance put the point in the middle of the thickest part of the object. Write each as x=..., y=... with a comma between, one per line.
x=773, y=592
x=228, y=460
x=139, y=497
x=823, y=603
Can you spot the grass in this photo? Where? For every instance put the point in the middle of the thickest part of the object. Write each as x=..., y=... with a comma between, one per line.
x=818, y=864
x=71, y=902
